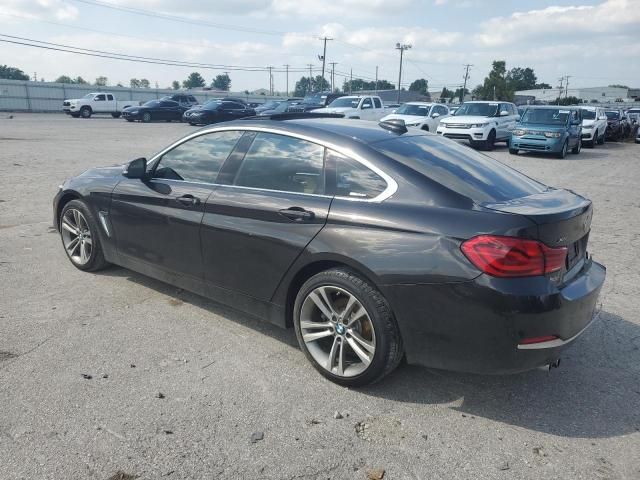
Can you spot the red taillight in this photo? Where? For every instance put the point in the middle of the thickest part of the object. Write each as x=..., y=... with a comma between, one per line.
x=513, y=257
x=532, y=340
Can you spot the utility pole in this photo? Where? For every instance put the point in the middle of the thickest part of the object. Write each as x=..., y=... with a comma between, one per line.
x=566, y=87
x=324, y=58
x=466, y=77
x=351, y=82
x=270, y=80
x=561, y=80
x=333, y=74
x=402, y=48
x=494, y=93
x=287, y=67
x=310, y=65
x=376, y=89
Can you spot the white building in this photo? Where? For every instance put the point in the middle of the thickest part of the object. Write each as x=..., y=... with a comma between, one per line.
x=602, y=94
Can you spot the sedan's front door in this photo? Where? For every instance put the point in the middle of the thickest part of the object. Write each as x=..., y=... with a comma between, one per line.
x=157, y=220
x=255, y=227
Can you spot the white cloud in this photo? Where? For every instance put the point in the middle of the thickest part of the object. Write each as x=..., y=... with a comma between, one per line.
x=38, y=9
x=552, y=22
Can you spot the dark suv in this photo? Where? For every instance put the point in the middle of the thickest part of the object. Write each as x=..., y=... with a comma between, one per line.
x=183, y=99
x=314, y=101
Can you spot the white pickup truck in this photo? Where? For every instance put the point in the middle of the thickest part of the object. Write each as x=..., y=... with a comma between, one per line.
x=351, y=106
x=96, y=103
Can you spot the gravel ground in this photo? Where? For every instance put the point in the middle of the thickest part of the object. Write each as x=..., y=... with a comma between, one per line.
x=115, y=373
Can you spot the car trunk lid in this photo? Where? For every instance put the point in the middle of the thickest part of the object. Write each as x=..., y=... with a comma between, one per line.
x=563, y=218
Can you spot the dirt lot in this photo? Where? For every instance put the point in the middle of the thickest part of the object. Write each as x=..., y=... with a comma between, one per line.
x=179, y=384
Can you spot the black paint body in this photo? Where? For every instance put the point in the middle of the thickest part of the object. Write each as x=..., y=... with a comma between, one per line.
x=235, y=247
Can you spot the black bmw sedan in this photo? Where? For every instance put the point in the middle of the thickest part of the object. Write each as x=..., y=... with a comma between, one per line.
x=216, y=111
x=155, y=110
x=373, y=242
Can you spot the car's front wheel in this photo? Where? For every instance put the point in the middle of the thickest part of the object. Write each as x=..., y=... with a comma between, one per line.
x=346, y=328
x=79, y=234
x=575, y=150
x=146, y=117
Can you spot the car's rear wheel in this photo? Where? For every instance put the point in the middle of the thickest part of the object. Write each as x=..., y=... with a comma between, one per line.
x=346, y=328
x=146, y=117
x=79, y=234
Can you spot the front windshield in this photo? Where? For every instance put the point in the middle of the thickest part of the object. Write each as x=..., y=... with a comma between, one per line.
x=317, y=99
x=152, y=103
x=613, y=115
x=478, y=109
x=545, y=116
x=351, y=102
x=417, y=110
x=89, y=95
x=588, y=114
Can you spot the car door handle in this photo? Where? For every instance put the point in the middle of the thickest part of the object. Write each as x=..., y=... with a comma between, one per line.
x=188, y=200
x=297, y=214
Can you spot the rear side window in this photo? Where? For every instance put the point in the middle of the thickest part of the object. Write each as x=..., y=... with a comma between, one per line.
x=199, y=159
x=459, y=168
x=109, y=97
x=377, y=102
x=279, y=162
x=354, y=179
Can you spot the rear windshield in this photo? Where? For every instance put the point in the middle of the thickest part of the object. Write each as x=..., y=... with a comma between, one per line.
x=459, y=168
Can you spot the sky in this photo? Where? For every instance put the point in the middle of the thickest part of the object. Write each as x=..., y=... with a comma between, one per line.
x=595, y=42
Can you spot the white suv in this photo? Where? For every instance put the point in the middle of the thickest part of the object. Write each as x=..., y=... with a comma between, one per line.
x=423, y=115
x=594, y=126
x=481, y=123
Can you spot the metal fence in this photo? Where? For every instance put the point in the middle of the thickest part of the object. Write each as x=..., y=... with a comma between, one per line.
x=29, y=96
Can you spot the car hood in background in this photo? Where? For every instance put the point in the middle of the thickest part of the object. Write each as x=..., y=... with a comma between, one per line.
x=407, y=118
x=466, y=119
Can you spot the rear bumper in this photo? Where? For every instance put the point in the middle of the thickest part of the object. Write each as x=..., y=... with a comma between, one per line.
x=477, y=326
x=536, y=144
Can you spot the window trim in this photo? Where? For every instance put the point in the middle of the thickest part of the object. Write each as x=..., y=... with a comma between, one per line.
x=392, y=185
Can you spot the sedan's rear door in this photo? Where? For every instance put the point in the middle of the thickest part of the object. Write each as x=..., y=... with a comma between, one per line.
x=271, y=208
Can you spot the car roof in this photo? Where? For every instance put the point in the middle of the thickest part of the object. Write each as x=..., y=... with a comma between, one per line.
x=486, y=101
x=327, y=129
x=421, y=103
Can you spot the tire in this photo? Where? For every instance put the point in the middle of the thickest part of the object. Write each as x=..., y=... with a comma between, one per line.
x=129, y=119
x=602, y=139
x=85, y=254
x=116, y=115
x=490, y=142
x=563, y=153
x=513, y=151
x=85, y=112
x=146, y=117
x=75, y=115
x=376, y=326
x=576, y=150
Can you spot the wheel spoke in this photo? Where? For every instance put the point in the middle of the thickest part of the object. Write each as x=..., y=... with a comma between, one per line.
x=368, y=346
x=357, y=316
x=305, y=325
x=359, y=351
x=68, y=227
x=324, y=306
x=87, y=240
x=331, y=359
x=312, y=337
x=341, y=358
x=72, y=245
x=76, y=218
x=84, y=256
x=352, y=302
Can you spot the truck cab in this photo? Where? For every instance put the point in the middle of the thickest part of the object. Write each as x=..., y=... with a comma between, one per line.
x=363, y=107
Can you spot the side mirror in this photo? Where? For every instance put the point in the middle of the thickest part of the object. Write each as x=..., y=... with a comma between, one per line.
x=504, y=113
x=435, y=115
x=136, y=168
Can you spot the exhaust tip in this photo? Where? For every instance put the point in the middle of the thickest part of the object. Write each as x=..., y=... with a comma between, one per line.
x=550, y=366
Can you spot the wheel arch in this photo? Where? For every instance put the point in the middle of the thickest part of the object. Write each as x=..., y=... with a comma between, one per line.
x=311, y=268
x=66, y=198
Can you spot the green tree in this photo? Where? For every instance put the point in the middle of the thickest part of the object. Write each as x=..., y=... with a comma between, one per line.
x=12, y=73
x=358, y=85
x=222, y=82
x=495, y=85
x=521, y=79
x=134, y=83
x=542, y=86
x=308, y=85
x=618, y=86
x=175, y=85
x=447, y=94
x=80, y=81
x=101, y=82
x=64, y=79
x=144, y=83
x=568, y=101
x=459, y=94
x=420, y=85
x=194, y=80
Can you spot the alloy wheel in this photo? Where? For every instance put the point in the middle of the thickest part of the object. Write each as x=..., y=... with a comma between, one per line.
x=76, y=236
x=337, y=331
